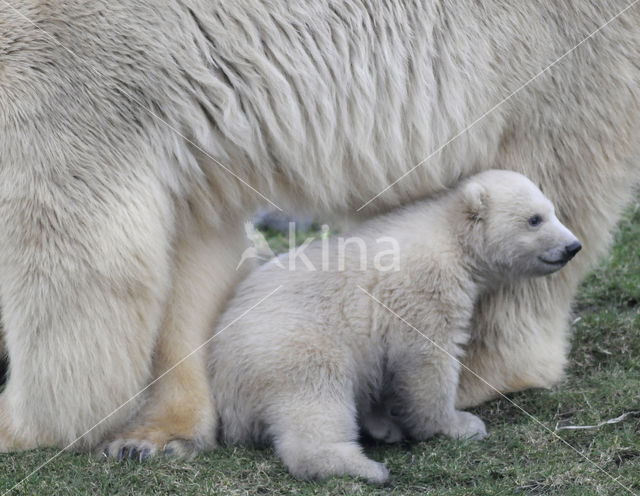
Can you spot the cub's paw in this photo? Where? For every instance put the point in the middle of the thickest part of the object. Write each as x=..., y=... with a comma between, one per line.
x=369, y=470
x=383, y=428
x=465, y=425
x=375, y=473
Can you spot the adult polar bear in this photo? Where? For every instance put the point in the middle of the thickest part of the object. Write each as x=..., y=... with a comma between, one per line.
x=130, y=130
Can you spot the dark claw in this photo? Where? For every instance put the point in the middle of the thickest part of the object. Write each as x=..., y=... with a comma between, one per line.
x=169, y=451
x=121, y=453
x=144, y=454
x=133, y=453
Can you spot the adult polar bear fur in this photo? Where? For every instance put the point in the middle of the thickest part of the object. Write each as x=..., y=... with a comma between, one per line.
x=136, y=136
x=349, y=337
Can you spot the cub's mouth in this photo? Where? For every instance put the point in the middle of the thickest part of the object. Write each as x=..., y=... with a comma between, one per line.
x=554, y=263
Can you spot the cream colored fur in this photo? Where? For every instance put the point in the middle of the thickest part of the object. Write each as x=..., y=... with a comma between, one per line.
x=319, y=106
x=327, y=352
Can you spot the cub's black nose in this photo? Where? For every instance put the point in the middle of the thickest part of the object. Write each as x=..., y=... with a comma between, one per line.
x=571, y=250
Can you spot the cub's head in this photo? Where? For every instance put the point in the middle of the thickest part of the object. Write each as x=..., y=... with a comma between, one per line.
x=515, y=231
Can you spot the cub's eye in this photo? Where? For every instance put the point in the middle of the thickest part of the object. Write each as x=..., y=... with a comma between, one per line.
x=535, y=220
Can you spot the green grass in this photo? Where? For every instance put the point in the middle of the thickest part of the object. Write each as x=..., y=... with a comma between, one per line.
x=519, y=457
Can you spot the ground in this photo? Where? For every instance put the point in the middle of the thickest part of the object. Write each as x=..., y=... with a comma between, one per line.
x=521, y=456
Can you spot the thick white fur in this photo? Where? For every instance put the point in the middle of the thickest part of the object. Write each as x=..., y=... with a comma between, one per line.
x=319, y=106
x=323, y=355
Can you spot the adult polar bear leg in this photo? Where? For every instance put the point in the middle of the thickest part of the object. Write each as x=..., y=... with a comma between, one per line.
x=581, y=151
x=179, y=416
x=520, y=341
x=520, y=333
x=83, y=290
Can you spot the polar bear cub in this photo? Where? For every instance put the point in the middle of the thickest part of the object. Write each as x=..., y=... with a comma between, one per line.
x=361, y=337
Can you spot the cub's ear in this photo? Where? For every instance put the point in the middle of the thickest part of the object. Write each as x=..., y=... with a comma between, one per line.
x=474, y=196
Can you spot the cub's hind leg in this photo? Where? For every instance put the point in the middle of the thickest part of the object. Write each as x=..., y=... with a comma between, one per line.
x=317, y=438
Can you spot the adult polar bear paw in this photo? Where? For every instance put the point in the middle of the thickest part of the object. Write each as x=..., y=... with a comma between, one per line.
x=172, y=433
x=141, y=449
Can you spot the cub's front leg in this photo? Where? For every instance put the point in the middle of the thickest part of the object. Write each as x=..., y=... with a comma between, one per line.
x=425, y=377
